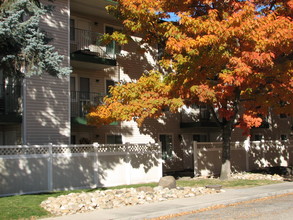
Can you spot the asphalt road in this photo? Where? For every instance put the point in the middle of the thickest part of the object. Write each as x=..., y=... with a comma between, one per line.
x=269, y=208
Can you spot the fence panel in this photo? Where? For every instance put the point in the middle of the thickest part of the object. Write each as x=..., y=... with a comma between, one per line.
x=23, y=167
x=245, y=156
x=208, y=158
x=31, y=169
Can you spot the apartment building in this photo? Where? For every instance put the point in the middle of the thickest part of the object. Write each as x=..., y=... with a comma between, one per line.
x=41, y=110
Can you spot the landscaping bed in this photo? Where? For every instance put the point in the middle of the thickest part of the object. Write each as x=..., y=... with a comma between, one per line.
x=26, y=206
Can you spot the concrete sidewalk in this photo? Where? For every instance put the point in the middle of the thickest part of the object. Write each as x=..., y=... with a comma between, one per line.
x=153, y=210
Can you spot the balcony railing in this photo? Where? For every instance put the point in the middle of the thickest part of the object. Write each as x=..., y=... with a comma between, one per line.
x=82, y=101
x=197, y=116
x=90, y=42
x=10, y=99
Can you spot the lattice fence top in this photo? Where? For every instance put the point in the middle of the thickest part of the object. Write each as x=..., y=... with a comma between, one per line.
x=241, y=144
x=75, y=149
x=23, y=150
x=139, y=148
x=234, y=145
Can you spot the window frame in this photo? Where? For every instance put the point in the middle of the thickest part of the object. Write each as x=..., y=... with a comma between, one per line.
x=113, y=134
x=258, y=134
x=107, y=92
x=167, y=154
x=115, y=28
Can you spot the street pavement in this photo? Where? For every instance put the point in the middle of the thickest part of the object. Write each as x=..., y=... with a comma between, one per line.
x=268, y=208
x=176, y=207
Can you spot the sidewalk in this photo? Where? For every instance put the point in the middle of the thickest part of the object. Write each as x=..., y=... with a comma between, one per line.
x=153, y=210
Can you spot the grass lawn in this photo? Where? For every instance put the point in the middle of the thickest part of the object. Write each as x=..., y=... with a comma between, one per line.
x=28, y=206
x=225, y=183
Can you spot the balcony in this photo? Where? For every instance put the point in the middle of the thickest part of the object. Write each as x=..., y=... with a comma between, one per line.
x=85, y=46
x=81, y=103
x=10, y=104
x=195, y=117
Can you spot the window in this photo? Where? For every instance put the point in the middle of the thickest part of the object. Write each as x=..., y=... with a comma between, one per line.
x=73, y=88
x=283, y=104
x=167, y=145
x=114, y=139
x=72, y=30
x=204, y=113
x=72, y=84
x=112, y=48
x=258, y=137
x=73, y=139
x=84, y=85
x=284, y=137
x=109, y=84
x=200, y=137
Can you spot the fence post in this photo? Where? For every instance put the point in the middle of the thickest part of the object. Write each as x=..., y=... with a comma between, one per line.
x=247, y=149
x=263, y=152
x=195, y=158
x=50, y=168
x=96, y=164
x=160, y=159
x=128, y=165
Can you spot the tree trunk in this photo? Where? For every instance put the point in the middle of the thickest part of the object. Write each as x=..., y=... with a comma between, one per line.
x=226, y=156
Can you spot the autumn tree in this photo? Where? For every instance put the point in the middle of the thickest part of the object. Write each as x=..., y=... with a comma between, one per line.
x=234, y=56
x=24, y=46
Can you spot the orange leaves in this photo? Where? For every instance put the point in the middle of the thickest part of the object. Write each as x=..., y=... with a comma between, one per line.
x=234, y=53
x=290, y=4
x=203, y=92
x=258, y=59
x=248, y=121
x=227, y=78
x=136, y=100
x=101, y=115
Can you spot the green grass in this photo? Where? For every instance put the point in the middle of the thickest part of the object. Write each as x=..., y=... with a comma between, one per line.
x=28, y=206
x=24, y=206
x=225, y=183
x=16, y=207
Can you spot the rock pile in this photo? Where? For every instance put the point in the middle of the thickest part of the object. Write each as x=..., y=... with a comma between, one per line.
x=107, y=199
x=256, y=176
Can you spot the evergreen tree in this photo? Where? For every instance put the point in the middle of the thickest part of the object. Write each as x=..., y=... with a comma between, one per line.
x=24, y=48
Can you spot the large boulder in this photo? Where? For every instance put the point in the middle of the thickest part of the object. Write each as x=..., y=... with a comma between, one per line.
x=167, y=182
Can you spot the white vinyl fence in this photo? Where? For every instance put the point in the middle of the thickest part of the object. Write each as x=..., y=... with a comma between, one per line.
x=245, y=156
x=44, y=168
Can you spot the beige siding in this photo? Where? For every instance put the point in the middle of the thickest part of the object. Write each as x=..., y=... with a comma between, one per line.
x=46, y=104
